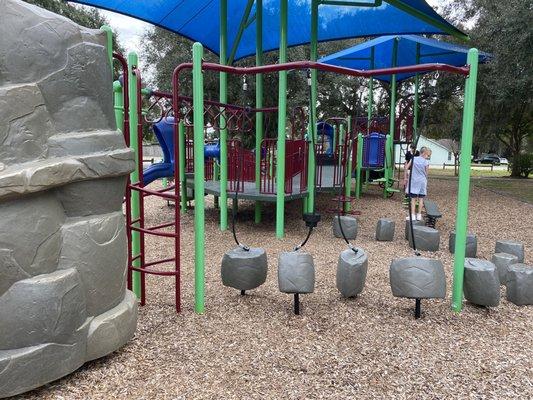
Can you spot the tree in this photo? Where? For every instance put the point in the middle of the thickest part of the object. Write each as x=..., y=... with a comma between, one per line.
x=504, y=107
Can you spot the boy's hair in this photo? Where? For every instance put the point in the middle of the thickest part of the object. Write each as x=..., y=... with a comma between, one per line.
x=424, y=150
x=412, y=146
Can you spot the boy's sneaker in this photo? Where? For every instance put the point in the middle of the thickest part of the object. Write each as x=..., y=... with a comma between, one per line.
x=419, y=217
x=408, y=219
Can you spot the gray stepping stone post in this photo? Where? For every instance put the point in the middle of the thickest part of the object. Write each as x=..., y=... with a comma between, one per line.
x=502, y=261
x=520, y=284
x=471, y=244
x=481, y=282
x=349, y=226
x=510, y=247
x=426, y=238
x=351, y=272
x=296, y=275
x=417, y=278
x=408, y=227
x=244, y=269
x=385, y=230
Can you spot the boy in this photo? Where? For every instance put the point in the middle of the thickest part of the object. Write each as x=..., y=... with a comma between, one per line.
x=417, y=189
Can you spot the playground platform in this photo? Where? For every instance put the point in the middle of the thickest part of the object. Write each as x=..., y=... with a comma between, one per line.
x=251, y=192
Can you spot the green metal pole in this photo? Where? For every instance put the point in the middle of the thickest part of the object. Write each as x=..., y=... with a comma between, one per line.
x=109, y=44
x=134, y=176
x=259, y=121
x=282, y=115
x=118, y=100
x=223, y=132
x=311, y=158
x=389, y=171
x=183, y=179
x=370, y=91
x=417, y=87
x=358, y=183
x=348, y=181
x=461, y=223
x=199, y=205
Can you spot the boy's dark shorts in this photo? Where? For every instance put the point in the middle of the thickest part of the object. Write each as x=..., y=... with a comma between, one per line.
x=415, y=196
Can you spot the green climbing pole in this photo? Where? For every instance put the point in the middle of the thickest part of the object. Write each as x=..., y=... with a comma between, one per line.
x=461, y=222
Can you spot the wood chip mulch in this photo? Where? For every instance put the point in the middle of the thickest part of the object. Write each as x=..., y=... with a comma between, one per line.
x=370, y=347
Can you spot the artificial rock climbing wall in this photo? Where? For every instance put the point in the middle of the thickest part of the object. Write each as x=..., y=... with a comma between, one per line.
x=63, y=169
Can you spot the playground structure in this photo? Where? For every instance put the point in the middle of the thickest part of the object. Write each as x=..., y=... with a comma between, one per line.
x=298, y=166
x=273, y=175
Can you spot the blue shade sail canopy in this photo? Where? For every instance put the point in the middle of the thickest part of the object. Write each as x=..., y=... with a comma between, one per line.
x=199, y=20
x=431, y=51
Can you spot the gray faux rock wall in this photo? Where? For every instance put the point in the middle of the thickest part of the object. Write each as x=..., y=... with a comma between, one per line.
x=63, y=169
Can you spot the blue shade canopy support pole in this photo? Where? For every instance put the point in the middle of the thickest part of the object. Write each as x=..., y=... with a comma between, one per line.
x=223, y=132
x=282, y=116
x=415, y=105
x=370, y=92
x=199, y=172
x=311, y=163
x=392, y=120
x=259, y=120
x=461, y=223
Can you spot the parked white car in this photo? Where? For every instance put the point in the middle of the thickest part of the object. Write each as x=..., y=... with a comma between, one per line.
x=504, y=161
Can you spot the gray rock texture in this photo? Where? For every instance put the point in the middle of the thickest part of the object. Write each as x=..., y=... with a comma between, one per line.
x=426, y=238
x=502, y=261
x=385, y=230
x=481, y=282
x=244, y=270
x=417, y=277
x=63, y=169
x=510, y=247
x=351, y=272
x=520, y=284
x=471, y=244
x=296, y=272
x=408, y=227
x=349, y=226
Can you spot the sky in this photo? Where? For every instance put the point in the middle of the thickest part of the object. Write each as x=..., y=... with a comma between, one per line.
x=130, y=29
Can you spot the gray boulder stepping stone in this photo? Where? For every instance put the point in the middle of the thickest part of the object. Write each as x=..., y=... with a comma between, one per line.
x=502, y=261
x=351, y=272
x=385, y=230
x=244, y=270
x=481, y=282
x=520, y=284
x=408, y=227
x=510, y=247
x=349, y=226
x=426, y=238
x=471, y=244
x=296, y=272
x=417, y=278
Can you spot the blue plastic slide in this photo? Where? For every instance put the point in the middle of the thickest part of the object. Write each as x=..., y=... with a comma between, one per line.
x=164, y=132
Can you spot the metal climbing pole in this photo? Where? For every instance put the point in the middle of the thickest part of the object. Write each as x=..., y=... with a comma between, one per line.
x=282, y=116
x=199, y=189
x=259, y=120
x=389, y=166
x=134, y=176
x=461, y=223
x=311, y=163
x=223, y=132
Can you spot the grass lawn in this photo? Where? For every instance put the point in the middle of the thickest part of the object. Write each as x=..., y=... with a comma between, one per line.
x=521, y=189
x=497, y=181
